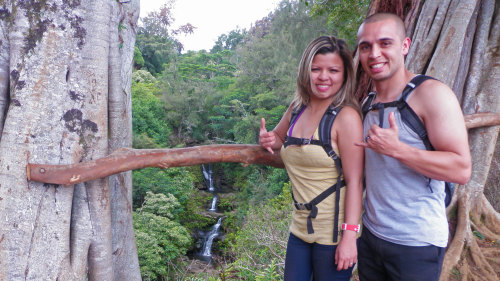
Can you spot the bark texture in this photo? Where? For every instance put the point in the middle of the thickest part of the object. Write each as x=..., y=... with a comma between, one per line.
x=458, y=42
x=57, y=78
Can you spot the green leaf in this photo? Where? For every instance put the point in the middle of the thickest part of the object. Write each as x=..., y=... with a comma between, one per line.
x=478, y=234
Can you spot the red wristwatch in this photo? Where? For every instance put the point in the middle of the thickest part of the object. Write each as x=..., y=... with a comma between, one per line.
x=351, y=227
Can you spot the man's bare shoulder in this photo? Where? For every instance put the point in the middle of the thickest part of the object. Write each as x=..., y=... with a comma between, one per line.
x=433, y=100
x=433, y=89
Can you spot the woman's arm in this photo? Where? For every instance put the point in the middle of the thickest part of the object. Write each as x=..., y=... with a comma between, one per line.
x=347, y=130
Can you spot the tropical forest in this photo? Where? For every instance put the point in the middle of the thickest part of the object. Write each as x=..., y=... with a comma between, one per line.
x=182, y=99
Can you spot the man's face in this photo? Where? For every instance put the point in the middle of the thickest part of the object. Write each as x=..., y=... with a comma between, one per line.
x=381, y=49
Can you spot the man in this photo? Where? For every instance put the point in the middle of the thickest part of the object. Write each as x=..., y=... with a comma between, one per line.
x=405, y=227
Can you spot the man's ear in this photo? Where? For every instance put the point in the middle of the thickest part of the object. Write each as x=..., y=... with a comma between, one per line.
x=406, y=45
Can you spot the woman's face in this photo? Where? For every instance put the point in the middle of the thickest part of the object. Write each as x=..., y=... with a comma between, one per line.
x=327, y=75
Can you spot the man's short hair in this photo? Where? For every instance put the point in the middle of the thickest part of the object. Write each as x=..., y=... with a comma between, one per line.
x=400, y=25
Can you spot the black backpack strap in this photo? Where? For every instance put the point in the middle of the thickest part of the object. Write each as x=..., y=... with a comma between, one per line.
x=367, y=103
x=300, y=141
x=411, y=119
x=415, y=82
x=325, y=136
x=325, y=141
x=325, y=133
x=408, y=115
x=311, y=206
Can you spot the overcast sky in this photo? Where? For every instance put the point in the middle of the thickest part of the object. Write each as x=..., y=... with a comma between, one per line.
x=212, y=17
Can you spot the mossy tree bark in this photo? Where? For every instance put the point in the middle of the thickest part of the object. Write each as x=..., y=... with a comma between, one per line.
x=65, y=70
x=458, y=42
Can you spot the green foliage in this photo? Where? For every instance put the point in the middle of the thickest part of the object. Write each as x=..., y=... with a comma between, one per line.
x=228, y=41
x=175, y=181
x=193, y=217
x=156, y=51
x=144, y=76
x=160, y=205
x=138, y=59
x=159, y=238
x=268, y=63
x=262, y=184
x=157, y=40
x=148, y=117
x=192, y=88
x=269, y=273
x=344, y=16
x=260, y=244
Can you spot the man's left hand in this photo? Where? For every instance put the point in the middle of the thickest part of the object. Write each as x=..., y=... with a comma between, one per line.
x=384, y=141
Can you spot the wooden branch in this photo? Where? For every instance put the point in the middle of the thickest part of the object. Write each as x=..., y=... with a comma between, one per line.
x=125, y=159
x=482, y=120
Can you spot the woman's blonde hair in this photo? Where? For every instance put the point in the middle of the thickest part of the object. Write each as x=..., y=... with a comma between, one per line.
x=325, y=45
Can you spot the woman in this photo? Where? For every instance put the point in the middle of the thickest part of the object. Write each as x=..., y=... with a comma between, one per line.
x=325, y=83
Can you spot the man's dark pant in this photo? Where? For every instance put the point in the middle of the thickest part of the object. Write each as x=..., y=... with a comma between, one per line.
x=382, y=260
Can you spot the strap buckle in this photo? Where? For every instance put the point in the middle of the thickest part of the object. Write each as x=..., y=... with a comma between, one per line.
x=301, y=206
x=306, y=141
x=333, y=155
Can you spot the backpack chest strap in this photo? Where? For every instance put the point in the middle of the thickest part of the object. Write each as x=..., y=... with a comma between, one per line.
x=300, y=141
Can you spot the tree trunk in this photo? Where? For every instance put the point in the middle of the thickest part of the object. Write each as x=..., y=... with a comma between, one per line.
x=458, y=42
x=65, y=70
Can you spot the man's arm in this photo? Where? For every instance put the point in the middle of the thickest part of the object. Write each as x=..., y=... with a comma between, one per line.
x=438, y=108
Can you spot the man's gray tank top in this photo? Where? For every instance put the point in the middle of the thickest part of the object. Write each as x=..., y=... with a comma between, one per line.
x=401, y=205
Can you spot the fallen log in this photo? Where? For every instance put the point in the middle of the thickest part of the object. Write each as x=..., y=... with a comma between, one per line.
x=126, y=159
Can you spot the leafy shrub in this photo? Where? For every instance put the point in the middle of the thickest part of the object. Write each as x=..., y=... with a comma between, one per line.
x=260, y=244
x=159, y=238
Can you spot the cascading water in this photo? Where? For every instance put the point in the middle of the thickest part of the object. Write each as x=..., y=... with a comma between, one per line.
x=213, y=206
x=209, y=239
x=207, y=174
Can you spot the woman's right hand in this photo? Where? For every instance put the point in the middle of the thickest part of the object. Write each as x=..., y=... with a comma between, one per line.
x=266, y=139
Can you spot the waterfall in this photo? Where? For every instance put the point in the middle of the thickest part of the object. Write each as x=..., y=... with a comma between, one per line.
x=207, y=174
x=207, y=244
x=213, y=206
x=205, y=253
